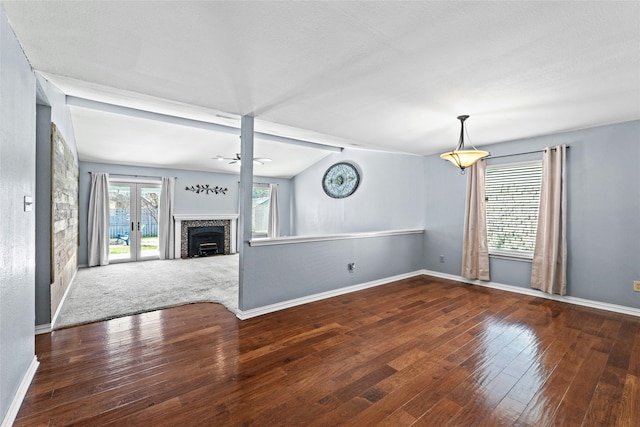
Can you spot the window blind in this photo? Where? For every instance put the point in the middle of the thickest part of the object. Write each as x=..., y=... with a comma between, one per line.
x=513, y=198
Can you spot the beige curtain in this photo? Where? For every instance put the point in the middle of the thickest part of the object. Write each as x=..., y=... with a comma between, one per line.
x=475, y=248
x=549, y=267
x=98, y=221
x=166, y=238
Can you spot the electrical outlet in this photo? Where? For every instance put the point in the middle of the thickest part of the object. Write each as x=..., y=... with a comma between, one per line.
x=351, y=267
x=636, y=285
x=441, y=258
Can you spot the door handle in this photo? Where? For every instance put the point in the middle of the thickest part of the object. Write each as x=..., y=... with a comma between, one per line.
x=132, y=226
x=138, y=226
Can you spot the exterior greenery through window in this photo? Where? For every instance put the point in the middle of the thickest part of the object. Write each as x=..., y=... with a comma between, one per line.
x=513, y=198
x=260, y=210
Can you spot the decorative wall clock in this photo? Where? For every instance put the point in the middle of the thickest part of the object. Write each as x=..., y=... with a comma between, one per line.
x=341, y=180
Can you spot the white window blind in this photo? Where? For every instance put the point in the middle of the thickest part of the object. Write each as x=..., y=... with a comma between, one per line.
x=513, y=198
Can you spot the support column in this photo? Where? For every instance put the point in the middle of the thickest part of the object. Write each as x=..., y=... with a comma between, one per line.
x=246, y=189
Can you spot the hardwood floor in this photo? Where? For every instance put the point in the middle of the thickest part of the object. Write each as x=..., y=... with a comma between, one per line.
x=422, y=351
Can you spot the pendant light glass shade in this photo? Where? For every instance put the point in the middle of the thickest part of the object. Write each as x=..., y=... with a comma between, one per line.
x=460, y=157
x=464, y=158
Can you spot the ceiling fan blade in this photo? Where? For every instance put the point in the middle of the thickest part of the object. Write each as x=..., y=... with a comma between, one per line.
x=237, y=159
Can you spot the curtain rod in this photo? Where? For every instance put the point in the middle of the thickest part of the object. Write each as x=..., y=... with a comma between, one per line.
x=520, y=154
x=133, y=176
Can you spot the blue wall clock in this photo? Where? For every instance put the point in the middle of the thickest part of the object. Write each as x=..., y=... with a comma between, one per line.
x=341, y=180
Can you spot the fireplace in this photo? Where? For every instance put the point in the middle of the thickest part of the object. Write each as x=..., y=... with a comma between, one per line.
x=203, y=241
x=214, y=234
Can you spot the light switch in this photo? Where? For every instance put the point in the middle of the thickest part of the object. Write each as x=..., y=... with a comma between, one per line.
x=28, y=203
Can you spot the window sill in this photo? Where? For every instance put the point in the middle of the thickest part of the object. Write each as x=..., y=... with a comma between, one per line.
x=511, y=256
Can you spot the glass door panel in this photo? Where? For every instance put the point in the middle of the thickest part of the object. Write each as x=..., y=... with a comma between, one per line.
x=133, y=221
x=149, y=203
x=119, y=222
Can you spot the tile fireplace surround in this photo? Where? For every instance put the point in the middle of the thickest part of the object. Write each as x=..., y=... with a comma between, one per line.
x=192, y=220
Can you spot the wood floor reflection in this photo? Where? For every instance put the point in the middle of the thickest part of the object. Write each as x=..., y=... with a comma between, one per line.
x=421, y=351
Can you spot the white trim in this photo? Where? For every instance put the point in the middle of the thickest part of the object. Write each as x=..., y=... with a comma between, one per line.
x=535, y=293
x=307, y=239
x=64, y=297
x=259, y=311
x=511, y=256
x=192, y=217
x=126, y=179
x=12, y=412
x=43, y=329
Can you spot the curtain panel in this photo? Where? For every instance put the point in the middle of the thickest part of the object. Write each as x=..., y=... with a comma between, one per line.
x=475, y=247
x=166, y=232
x=549, y=266
x=98, y=223
x=273, y=226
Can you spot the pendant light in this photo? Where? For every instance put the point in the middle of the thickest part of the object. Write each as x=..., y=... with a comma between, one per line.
x=460, y=157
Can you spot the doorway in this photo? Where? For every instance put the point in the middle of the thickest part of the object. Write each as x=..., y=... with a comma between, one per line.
x=133, y=221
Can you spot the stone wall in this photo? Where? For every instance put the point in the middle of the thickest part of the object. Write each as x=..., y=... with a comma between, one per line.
x=64, y=217
x=184, y=249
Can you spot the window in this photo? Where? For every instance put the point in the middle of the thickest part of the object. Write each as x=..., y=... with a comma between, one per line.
x=260, y=210
x=513, y=197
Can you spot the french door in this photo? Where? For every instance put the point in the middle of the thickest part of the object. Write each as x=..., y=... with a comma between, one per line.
x=133, y=221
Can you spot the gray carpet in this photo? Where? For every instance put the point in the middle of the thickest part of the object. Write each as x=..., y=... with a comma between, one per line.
x=116, y=290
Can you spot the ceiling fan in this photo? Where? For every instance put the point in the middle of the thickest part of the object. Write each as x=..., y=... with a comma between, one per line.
x=237, y=160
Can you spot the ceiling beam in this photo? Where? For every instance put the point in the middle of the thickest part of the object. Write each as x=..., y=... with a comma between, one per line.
x=91, y=104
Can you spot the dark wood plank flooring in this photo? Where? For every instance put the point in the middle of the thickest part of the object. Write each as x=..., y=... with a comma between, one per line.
x=422, y=351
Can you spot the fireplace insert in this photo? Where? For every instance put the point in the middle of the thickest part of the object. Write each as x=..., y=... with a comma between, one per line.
x=203, y=241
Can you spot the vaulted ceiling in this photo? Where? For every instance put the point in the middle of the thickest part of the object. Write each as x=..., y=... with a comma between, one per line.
x=382, y=75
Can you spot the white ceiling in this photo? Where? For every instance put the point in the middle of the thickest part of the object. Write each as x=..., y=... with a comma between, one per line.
x=384, y=75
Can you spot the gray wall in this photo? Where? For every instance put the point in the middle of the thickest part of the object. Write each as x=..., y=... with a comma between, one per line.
x=51, y=108
x=283, y=272
x=186, y=202
x=51, y=96
x=17, y=239
x=603, y=198
x=43, y=215
x=385, y=200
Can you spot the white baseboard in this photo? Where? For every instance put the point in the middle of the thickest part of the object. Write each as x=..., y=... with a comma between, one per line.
x=536, y=293
x=12, y=413
x=43, y=329
x=254, y=312
x=64, y=297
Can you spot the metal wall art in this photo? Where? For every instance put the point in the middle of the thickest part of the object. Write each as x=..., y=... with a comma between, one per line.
x=205, y=189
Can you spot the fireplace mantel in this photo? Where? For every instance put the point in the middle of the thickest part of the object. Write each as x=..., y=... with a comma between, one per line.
x=178, y=218
x=195, y=217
